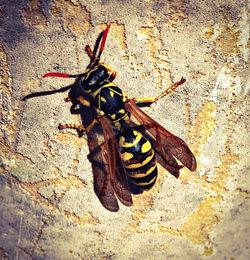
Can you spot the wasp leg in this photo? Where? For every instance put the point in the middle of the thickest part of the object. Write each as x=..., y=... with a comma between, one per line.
x=150, y=100
x=71, y=126
x=80, y=129
x=89, y=52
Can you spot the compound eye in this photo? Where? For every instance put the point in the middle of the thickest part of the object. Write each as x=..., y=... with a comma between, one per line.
x=102, y=71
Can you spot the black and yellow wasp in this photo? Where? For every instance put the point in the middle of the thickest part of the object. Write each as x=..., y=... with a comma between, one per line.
x=130, y=146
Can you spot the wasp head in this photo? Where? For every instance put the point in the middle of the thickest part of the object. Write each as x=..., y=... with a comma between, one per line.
x=95, y=77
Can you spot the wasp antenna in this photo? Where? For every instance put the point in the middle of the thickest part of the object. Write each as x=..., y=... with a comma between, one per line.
x=90, y=52
x=59, y=75
x=104, y=37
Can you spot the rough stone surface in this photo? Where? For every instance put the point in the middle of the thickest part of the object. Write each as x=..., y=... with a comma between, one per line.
x=48, y=208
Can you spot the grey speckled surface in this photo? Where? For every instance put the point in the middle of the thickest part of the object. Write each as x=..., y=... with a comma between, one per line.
x=48, y=207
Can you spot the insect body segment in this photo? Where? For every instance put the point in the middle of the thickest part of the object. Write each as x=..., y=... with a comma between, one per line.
x=138, y=157
x=109, y=101
x=94, y=78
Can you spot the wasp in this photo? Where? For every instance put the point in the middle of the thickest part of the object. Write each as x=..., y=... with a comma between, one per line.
x=132, y=139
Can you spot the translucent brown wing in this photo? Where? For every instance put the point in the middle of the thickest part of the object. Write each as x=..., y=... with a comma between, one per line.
x=117, y=172
x=166, y=144
x=102, y=181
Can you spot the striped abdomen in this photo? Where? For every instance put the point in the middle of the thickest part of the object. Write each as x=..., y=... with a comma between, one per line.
x=138, y=158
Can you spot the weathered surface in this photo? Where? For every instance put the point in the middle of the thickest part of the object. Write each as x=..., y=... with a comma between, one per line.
x=48, y=207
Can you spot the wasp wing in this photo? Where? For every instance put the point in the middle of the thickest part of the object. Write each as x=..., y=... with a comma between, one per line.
x=167, y=144
x=102, y=182
x=117, y=172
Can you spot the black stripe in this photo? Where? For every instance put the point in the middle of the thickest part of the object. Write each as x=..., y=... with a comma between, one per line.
x=135, y=148
x=116, y=88
x=119, y=116
x=143, y=168
x=146, y=178
x=147, y=187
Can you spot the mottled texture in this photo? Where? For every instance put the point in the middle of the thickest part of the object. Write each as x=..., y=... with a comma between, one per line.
x=48, y=208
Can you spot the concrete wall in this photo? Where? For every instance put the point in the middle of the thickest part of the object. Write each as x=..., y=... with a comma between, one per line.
x=48, y=208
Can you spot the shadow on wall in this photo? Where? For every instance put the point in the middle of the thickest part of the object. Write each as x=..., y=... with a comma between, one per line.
x=13, y=29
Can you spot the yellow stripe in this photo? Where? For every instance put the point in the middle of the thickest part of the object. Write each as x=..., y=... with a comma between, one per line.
x=100, y=112
x=119, y=119
x=113, y=116
x=146, y=147
x=99, y=102
x=143, y=174
x=136, y=141
x=126, y=156
x=109, y=69
x=137, y=165
x=103, y=99
x=122, y=111
x=124, y=98
x=117, y=122
x=145, y=183
x=114, y=91
x=88, y=71
x=111, y=84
